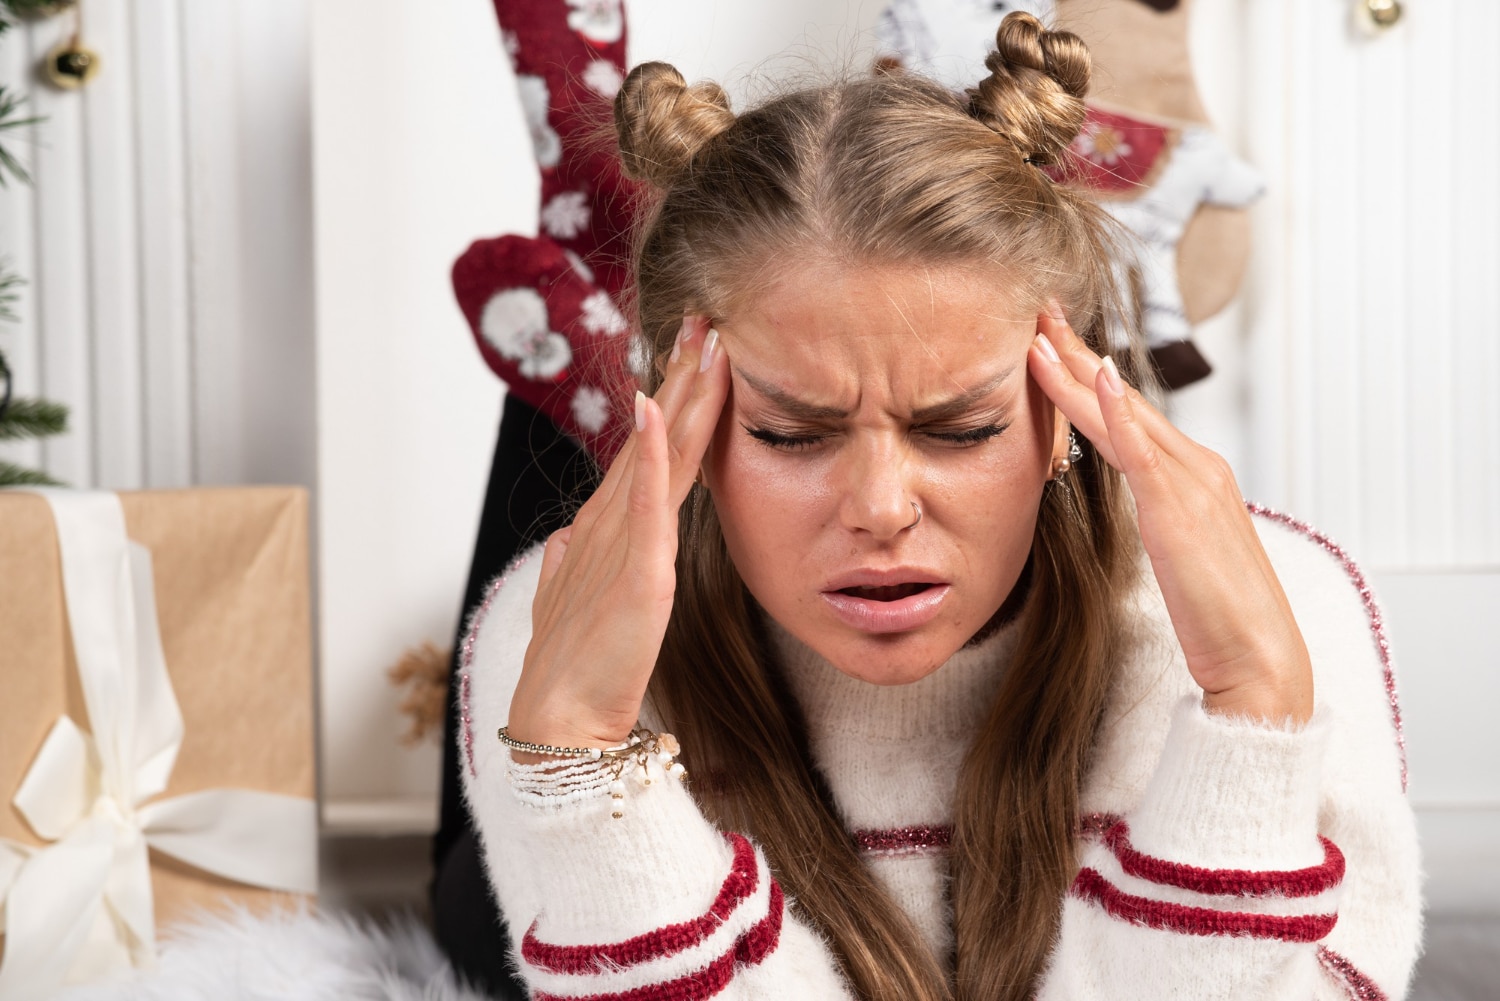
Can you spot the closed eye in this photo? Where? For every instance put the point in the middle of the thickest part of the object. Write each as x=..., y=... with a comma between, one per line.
x=969, y=436
x=787, y=442
x=793, y=443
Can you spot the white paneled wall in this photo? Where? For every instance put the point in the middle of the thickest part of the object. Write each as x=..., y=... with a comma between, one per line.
x=1373, y=319
x=1374, y=347
x=167, y=244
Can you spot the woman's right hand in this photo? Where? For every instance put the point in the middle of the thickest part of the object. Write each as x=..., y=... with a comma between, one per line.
x=608, y=579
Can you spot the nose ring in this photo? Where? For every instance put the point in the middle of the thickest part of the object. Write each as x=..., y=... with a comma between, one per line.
x=919, y=515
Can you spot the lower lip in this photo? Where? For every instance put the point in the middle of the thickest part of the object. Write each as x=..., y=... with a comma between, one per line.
x=897, y=616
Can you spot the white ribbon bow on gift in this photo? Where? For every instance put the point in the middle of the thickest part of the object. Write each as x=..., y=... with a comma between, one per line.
x=81, y=906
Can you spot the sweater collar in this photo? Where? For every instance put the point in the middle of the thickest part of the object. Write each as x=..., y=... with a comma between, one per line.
x=950, y=702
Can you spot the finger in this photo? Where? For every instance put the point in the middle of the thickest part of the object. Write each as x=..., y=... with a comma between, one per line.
x=619, y=472
x=676, y=388
x=1147, y=467
x=682, y=367
x=1078, y=402
x=689, y=435
x=651, y=522
x=1081, y=360
x=1084, y=363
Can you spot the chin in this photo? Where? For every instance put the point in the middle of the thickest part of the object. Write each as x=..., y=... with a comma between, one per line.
x=898, y=659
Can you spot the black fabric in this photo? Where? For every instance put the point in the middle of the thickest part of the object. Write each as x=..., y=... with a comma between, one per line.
x=468, y=925
x=537, y=479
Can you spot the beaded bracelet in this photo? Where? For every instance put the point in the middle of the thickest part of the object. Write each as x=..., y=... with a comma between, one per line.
x=556, y=780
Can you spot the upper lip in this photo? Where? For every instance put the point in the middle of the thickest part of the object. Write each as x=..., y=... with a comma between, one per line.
x=870, y=577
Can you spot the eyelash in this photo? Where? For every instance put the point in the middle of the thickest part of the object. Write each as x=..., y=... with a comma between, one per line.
x=794, y=443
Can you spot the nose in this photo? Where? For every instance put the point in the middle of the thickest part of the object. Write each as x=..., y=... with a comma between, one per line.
x=878, y=491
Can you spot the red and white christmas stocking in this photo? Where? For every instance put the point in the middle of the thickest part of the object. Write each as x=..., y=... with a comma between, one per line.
x=544, y=310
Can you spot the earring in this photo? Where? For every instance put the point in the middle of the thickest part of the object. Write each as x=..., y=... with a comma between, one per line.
x=919, y=515
x=1061, y=466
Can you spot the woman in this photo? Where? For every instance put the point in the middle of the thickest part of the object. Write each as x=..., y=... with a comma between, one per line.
x=966, y=717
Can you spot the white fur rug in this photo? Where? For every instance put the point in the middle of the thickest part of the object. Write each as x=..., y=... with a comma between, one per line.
x=290, y=956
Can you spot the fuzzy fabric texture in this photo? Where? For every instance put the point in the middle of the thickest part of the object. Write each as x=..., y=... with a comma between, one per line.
x=1219, y=858
x=290, y=955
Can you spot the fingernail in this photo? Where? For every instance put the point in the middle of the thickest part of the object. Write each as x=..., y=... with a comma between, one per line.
x=640, y=410
x=1112, y=378
x=709, y=346
x=1055, y=310
x=1047, y=348
x=682, y=335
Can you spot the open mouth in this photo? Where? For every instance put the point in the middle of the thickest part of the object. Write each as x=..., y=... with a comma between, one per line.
x=888, y=608
x=893, y=592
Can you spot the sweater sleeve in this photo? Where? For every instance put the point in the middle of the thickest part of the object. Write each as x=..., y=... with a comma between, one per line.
x=654, y=904
x=1263, y=862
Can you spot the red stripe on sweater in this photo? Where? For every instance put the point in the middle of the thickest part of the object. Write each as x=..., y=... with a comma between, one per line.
x=1093, y=887
x=1307, y=882
x=694, y=987
x=467, y=657
x=752, y=947
x=1372, y=612
x=666, y=941
x=1358, y=986
x=900, y=840
x=760, y=941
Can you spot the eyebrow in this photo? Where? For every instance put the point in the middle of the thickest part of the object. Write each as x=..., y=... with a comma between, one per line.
x=802, y=410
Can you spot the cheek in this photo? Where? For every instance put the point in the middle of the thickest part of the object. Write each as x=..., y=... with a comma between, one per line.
x=749, y=480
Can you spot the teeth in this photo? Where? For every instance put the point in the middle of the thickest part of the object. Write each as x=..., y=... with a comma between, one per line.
x=894, y=592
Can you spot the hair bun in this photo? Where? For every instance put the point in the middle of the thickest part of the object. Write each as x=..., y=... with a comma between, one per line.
x=662, y=123
x=1034, y=93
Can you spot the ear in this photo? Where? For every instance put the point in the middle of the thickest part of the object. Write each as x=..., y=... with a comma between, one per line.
x=1061, y=430
x=704, y=477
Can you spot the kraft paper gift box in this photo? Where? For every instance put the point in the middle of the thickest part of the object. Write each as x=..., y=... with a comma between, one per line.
x=201, y=780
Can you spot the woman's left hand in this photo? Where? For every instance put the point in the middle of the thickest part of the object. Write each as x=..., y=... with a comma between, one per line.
x=1231, y=616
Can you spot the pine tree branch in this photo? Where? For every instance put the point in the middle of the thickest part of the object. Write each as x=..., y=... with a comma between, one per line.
x=13, y=10
x=33, y=419
x=12, y=475
x=10, y=121
x=10, y=294
x=5, y=385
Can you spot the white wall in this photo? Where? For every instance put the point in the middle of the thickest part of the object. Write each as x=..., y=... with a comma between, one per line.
x=1374, y=352
x=412, y=120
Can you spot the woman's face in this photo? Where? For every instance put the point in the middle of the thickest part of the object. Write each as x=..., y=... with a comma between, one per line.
x=857, y=393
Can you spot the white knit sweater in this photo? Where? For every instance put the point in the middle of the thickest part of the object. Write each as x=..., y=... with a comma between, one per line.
x=1221, y=859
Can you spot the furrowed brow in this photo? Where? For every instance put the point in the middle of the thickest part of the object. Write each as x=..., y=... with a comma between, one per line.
x=803, y=410
x=800, y=409
x=963, y=402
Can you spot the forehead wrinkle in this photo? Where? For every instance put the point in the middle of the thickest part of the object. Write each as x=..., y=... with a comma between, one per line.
x=795, y=407
x=967, y=396
x=789, y=403
x=912, y=328
x=964, y=398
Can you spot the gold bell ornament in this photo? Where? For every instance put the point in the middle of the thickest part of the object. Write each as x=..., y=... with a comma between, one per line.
x=71, y=65
x=1375, y=16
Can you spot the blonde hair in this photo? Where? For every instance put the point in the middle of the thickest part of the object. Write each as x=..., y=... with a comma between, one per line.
x=892, y=169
